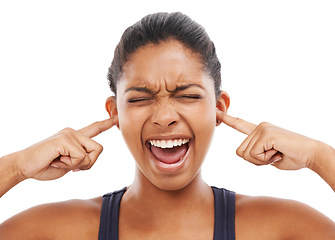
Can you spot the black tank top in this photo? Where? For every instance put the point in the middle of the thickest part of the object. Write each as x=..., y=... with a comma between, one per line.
x=224, y=224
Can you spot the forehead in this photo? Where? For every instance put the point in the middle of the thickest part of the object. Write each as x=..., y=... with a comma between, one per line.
x=167, y=64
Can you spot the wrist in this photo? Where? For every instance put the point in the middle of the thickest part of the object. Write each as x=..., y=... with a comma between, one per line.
x=9, y=163
x=324, y=163
x=324, y=155
x=9, y=176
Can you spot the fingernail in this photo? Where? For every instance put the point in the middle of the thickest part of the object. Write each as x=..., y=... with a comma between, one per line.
x=76, y=170
x=277, y=160
x=54, y=165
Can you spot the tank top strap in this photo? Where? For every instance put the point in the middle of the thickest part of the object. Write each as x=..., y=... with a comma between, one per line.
x=109, y=217
x=224, y=223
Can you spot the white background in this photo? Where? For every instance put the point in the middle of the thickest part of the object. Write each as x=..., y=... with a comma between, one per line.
x=278, y=65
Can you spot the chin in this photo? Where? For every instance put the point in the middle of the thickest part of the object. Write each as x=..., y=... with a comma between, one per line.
x=173, y=186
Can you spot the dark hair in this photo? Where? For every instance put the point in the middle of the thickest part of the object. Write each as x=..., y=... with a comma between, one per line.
x=158, y=27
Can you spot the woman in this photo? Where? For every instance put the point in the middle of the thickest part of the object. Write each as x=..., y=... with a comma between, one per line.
x=167, y=101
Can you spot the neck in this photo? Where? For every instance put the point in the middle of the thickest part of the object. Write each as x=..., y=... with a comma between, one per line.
x=147, y=196
x=145, y=207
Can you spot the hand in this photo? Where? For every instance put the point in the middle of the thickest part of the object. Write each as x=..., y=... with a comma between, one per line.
x=269, y=144
x=65, y=151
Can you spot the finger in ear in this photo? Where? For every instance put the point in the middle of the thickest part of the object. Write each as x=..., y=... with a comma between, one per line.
x=111, y=106
x=222, y=105
x=223, y=102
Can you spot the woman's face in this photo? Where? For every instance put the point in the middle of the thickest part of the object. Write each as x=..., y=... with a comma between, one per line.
x=166, y=109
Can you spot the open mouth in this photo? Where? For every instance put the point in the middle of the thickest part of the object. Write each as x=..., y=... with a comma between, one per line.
x=169, y=151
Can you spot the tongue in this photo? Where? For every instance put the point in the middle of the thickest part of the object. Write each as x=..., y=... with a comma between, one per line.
x=169, y=155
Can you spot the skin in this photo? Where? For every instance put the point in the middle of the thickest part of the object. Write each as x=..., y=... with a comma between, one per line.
x=163, y=88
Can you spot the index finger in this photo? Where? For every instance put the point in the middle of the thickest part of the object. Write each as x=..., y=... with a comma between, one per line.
x=238, y=124
x=98, y=127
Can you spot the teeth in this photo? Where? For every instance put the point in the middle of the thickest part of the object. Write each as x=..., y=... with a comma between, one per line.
x=168, y=143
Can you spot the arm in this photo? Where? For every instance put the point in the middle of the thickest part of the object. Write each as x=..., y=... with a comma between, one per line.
x=269, y=144
x=282, y=219
x=50, y=159
x=54, y=157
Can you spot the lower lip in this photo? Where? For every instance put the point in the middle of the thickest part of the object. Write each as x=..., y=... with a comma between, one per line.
x=169, y=168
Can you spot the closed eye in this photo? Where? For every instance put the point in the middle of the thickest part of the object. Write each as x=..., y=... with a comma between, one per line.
x=190, y=96
x=136, y=100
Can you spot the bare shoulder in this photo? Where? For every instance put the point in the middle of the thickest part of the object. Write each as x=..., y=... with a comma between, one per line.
x=74, y=219
x=274, y=218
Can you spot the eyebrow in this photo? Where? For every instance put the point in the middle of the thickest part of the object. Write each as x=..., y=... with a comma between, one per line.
x=178, y=89
x=186, y=86
x=139, y=89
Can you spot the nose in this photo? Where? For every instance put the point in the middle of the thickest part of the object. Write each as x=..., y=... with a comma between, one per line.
x=165, y=115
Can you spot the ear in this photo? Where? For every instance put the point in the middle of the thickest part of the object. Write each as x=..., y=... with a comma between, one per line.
x=111, y=107
x=222, y=104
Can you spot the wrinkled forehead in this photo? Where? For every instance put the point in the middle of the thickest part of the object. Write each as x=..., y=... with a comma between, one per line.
x=163, y=66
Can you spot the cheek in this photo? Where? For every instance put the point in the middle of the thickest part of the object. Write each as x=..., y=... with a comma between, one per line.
x=206, y=122
x=131, y=123
x=203, y=123
x=203, y=115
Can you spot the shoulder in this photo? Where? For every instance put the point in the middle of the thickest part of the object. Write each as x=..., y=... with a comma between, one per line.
x=74, y=219
x=274, y=218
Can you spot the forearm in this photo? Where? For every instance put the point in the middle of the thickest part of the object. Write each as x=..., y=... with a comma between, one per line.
x=8, y=174
x=324, y=165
